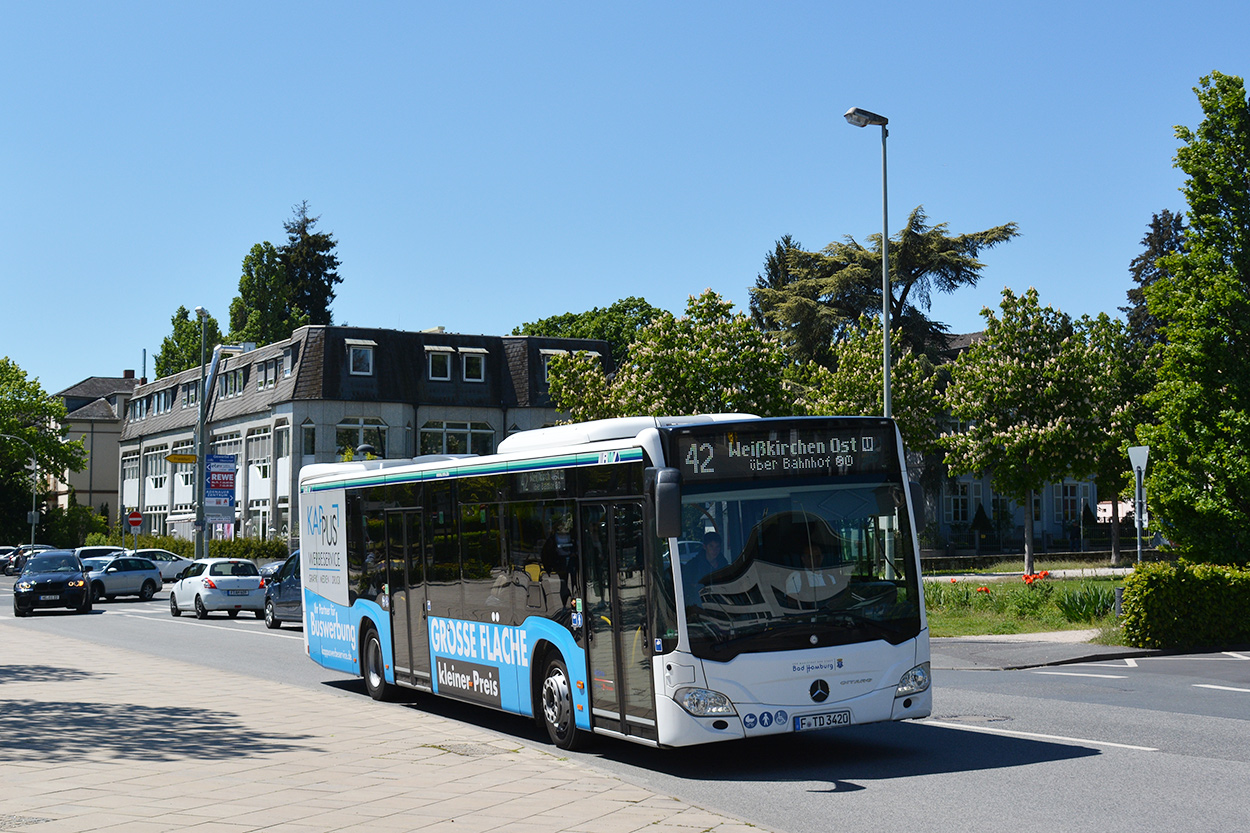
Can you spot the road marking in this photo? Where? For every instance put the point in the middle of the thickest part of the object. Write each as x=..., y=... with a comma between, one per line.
x=1235, y=655
x=1060, y=738
x=170, y=620
x=1074, y=674
x=1127, y=663
x=1222, y=688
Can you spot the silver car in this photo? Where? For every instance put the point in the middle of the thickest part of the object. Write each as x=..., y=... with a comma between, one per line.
x=229, y=584
x=170, y=564
x=122, y=575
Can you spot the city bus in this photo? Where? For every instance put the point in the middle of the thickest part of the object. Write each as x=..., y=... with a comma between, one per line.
x=667, y=581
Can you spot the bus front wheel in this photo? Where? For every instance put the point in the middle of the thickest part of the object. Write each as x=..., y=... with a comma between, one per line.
x=557, y=705
x=373, y=669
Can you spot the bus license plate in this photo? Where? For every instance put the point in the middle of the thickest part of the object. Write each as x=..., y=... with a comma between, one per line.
x=237, y=592
x=825, y=720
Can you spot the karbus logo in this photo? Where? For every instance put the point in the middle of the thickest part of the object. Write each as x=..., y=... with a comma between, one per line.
x=323, y=524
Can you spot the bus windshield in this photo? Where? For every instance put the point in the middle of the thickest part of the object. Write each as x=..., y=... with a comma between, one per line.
x=792, y=566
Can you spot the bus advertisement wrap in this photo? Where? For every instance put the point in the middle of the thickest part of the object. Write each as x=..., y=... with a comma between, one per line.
x=323, y=541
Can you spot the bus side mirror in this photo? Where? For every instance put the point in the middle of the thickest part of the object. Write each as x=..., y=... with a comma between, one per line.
x=665, y=487
x=917, y=504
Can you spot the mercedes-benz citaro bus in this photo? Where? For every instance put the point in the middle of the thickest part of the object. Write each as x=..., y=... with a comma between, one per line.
x=669, y=581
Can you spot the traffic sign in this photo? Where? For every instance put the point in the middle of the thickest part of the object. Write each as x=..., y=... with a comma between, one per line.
x=180, y=458
x=135, y=519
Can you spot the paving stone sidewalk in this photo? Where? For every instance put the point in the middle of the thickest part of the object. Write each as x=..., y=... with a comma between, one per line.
x=99, y=738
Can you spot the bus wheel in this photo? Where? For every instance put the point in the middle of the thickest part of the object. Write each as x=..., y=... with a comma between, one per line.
x=557, y=705
x=373, y=670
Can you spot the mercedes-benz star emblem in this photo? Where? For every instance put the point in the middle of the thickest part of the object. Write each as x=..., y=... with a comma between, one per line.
x=819, y=691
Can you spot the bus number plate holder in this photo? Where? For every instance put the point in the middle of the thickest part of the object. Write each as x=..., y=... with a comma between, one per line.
x=824, y=720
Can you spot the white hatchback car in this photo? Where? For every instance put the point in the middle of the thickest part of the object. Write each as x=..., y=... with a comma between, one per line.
x=229, y=584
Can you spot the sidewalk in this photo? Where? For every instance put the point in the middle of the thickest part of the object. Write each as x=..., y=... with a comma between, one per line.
x=1025, y=650
x=99, y=738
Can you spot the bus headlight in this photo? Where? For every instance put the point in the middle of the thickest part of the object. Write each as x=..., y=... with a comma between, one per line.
x=703, y=703
x=914, y=681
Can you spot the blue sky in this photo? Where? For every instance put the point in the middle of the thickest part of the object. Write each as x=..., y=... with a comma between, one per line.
x=486, y=164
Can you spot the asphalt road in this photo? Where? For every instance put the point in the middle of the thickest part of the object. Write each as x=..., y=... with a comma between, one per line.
x=1152, y=743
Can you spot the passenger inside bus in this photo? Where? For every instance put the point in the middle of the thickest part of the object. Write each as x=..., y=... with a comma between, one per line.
x=706, y=562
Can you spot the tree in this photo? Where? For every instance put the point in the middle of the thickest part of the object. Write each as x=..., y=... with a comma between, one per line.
x=311, y=265
x=708, y=361
x=1165, y=237
x=1126, y=377
x=830, y=290
x=265, y=310
x=1199, y=475
x=181, y=350
x=618, y=324
x=853, y=387
x=1025, y=394
x=36, y=420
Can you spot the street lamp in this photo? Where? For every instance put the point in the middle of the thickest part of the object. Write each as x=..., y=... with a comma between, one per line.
x=200, y=549
x=863, y=118
x=34, y=482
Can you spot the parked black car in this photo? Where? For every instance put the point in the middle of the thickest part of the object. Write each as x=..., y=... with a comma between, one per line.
x=284, y=594
x=52, y=578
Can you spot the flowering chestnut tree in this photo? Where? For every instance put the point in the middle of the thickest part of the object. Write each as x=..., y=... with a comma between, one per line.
x=1025, y=399
x=709, y=360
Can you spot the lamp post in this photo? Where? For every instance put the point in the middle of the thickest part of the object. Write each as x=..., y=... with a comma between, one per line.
x=863, y=118
x=34, y=482
x=200, y=549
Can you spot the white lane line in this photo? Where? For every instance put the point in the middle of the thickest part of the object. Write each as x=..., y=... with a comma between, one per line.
x=171, y=621
x=1236, y=655
x=1222, y=688
x=1074, y=674
x=1080, y=741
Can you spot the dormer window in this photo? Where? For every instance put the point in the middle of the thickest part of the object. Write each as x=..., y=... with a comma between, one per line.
x=438, y=358
x=473, y=364
x=360, y=356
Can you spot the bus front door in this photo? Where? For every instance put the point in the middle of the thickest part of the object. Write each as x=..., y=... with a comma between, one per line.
x=406, y=582
x=618, y=650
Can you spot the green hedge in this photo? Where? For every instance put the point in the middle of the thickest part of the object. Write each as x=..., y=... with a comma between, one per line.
x=253, y=548
x=1185, y=605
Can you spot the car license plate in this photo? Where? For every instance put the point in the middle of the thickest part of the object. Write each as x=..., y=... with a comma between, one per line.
x=825, y=720
x=48, y=598
x=238, y=592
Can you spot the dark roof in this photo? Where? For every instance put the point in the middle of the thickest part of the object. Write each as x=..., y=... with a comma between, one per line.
x=100, y=409
x=96, y=387
x=320, y=371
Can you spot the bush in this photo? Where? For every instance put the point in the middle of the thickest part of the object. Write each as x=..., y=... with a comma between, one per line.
x=251, y=548
x=1185, y=605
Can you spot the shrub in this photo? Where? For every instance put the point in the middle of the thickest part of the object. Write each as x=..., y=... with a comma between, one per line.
x=1185, y=605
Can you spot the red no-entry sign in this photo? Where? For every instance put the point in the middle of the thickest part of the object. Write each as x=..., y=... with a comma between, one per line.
x=135, y=518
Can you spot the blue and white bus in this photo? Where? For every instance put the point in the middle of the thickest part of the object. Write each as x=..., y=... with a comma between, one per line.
x=669, y=581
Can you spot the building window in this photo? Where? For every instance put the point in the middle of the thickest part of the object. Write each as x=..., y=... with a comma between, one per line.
x=473, y=364
x=156, y=467
x=360, y=356
x=309, y=441
x=231, y=443
x=288, y=361
x=547, y=356
x=190, y=394
x=185, y=472
x=267, y=373
x=350, y=434
x=439, y=361
x=961, y=501
x=130, y=467
x=440, y=437
x=259, y=451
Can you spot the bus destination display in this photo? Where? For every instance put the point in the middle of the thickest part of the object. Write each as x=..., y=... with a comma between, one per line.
x=709, y=453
